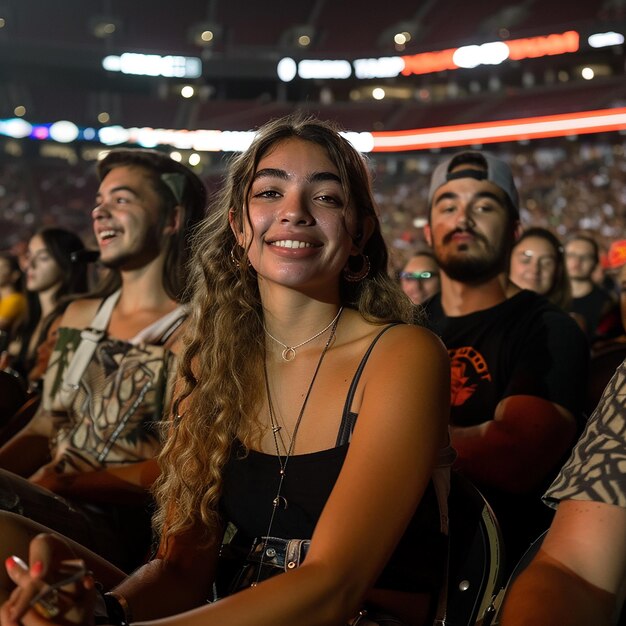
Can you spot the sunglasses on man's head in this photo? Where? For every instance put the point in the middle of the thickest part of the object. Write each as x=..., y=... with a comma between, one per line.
x=418, y=275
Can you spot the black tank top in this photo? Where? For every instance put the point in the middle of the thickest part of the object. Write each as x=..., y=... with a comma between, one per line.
x=249, y=486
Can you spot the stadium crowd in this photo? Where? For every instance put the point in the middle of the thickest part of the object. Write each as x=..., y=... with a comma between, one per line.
x=565, y=186
x=490, y=381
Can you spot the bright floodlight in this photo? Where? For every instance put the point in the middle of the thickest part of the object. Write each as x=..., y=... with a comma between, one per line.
x=15, y=128
x=486, y=54
x=378, y=93
x=64, y=132
x=287, y=69
x=154, y=65
x=601, y=40
x=587, y=73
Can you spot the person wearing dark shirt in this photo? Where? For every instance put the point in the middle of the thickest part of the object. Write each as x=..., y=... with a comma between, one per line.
x=590, y=304
x=519, y=365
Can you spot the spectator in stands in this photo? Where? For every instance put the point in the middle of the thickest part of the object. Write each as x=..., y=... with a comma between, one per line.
x=577, y=576
x=12, y=300
x=538, y=264
x=53, y=276
x=616, y=271
x=607, y=354
x=590, y=302
x=93, y=440
x=419, y=278
x=519, y=364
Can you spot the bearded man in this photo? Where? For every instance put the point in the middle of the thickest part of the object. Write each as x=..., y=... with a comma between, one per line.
x=519, y=364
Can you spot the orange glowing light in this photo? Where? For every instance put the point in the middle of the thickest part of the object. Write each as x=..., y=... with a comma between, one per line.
x=603, y=120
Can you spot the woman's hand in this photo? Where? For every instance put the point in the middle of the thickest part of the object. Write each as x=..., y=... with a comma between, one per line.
x=55, y=589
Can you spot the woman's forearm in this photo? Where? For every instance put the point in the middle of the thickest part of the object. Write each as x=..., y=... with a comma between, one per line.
x=159, y=589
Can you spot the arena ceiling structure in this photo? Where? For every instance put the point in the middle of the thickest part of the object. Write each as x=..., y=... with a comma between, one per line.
x=197, y=74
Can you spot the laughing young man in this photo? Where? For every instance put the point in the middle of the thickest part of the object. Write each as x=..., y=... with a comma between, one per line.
x=83, y=463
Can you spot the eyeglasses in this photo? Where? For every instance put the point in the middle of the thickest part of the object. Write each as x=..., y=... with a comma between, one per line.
x=418, y=275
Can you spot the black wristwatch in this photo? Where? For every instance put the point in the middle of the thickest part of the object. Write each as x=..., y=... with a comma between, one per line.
x=116, y=614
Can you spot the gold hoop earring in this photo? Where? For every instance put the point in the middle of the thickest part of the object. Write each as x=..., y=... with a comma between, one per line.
x=233, y=259
x=355, y=277
x=239, y=263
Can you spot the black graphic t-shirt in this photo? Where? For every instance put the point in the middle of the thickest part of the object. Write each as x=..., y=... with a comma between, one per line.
x=522, y=346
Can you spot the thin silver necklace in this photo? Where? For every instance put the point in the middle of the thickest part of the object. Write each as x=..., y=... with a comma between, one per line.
x=282, y=462
x=289, y=352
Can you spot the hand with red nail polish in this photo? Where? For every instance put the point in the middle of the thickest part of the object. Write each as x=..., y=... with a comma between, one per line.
x=55, y=590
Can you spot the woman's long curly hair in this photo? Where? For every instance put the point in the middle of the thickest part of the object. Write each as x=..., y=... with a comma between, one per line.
x=220, y=384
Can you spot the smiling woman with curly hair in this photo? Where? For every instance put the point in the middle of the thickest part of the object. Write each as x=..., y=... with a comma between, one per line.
x=310, y=415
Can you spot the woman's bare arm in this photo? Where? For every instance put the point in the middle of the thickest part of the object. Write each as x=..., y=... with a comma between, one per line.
x=402, y=424
x=579, y=573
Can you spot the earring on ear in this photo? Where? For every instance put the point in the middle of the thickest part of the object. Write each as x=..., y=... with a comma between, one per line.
x=234, y=260
x=356, y=276
x=237, y=261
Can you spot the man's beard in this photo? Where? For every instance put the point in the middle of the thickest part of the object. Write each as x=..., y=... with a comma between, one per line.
x=474, y=269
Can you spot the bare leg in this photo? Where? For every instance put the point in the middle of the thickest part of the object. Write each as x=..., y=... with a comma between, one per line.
x=16, y=533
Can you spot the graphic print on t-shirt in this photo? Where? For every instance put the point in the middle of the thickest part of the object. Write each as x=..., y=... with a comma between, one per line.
x=468, y=369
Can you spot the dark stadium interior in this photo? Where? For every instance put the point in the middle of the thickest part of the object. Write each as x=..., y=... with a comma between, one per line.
x=51, y=63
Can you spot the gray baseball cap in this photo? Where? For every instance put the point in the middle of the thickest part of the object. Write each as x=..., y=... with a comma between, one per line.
x=495, y=171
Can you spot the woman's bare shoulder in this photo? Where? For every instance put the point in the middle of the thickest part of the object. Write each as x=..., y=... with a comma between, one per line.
x=406, y=351
x=80, y=313
x=407, y=335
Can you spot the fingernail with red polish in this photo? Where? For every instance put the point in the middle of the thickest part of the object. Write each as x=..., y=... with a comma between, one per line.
x=36, y=568
x=10, y=562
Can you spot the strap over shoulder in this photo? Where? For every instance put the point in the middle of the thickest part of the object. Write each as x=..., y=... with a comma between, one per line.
x=89, y=340
x=163, y=328
x=348, y=419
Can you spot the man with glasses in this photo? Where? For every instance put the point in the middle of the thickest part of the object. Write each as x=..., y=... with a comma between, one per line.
x=419, y=278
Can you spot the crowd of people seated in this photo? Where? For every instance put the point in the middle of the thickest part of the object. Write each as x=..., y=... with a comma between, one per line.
x=565, y=186
x=285, y=380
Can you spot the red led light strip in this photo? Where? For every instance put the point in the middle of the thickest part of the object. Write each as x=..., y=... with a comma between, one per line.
x=527, y=48
x=506, y=130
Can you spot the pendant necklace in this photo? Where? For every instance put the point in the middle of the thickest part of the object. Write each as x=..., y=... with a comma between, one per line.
x=289, y=352
x=279, y=500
